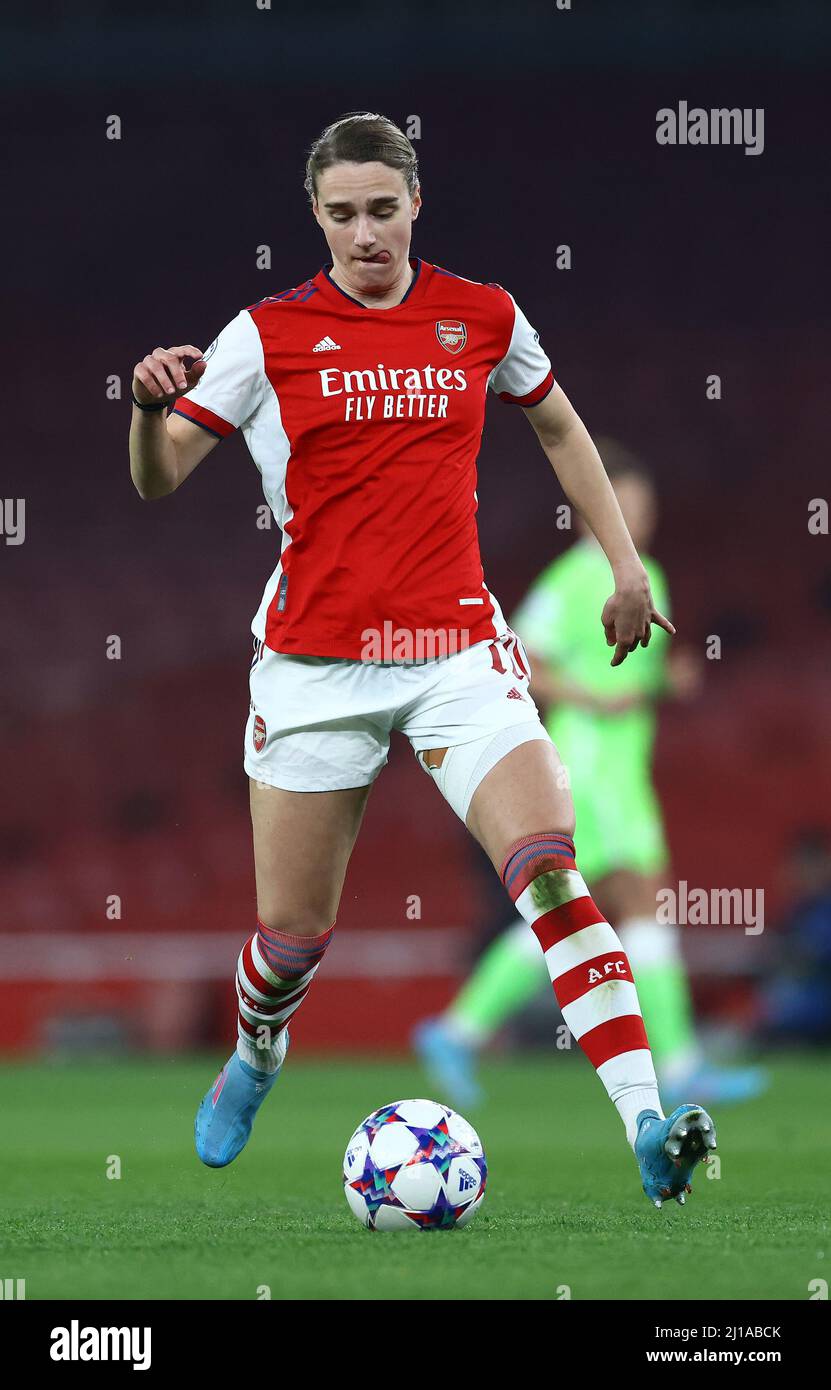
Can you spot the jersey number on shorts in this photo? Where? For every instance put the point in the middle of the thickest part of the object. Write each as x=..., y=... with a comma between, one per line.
x=508, y=646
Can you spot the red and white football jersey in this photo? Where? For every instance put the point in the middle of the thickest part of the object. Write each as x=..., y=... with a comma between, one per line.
x=365, y=425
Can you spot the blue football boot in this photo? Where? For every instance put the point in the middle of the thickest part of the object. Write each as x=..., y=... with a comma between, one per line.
x=668, y=1150
x=449, y=1062
x=224, y=1119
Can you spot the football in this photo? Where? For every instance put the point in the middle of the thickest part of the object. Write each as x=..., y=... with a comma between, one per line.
x=414, y=1165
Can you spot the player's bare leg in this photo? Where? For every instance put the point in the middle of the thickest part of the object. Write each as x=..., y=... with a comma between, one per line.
x=302, y=844
x=522, y=815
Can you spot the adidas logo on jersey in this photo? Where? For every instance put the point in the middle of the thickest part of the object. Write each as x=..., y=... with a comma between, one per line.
x=513, y=694
x=326, y=344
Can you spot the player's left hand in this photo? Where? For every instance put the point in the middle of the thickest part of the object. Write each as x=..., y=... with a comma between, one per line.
x=628, y=615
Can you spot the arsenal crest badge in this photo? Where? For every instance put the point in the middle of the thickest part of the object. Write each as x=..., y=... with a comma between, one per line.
x=259, y=734
x=452, y=334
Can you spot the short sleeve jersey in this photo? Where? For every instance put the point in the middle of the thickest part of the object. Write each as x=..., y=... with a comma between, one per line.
x=365, y=425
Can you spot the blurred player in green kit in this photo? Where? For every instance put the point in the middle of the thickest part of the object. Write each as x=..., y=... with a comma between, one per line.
x=602, y=720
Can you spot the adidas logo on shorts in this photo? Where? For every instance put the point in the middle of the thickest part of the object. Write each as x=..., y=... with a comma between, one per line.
x=514, y=694
x=326, y=344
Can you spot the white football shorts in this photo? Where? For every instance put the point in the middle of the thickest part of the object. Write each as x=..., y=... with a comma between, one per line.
x=319, y=723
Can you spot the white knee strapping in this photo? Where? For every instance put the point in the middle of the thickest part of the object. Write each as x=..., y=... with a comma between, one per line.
x=465, y=764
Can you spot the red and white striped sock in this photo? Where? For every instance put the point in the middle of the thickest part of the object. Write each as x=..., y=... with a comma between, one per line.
x=274, y=972
x=588, y=967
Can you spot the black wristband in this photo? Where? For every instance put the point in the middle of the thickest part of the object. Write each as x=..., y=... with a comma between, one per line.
x=161, y=405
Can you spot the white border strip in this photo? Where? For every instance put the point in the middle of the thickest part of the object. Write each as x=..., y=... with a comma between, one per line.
x=388, y=955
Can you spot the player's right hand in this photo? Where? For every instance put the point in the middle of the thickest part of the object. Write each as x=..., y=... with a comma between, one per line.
x=161, y=376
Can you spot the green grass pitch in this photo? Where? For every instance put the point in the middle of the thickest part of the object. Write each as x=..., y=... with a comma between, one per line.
x=563, y=1210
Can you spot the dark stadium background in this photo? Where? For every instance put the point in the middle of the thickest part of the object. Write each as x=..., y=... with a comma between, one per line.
x=538, y=128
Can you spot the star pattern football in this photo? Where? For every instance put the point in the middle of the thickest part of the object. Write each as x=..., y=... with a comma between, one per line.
x=414, y=1165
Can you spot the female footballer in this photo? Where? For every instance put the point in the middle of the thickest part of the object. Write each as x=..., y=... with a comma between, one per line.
x=361, y=397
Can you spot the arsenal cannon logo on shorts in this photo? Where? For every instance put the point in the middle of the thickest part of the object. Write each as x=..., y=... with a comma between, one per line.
x=451, y=333
x=259, y=733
